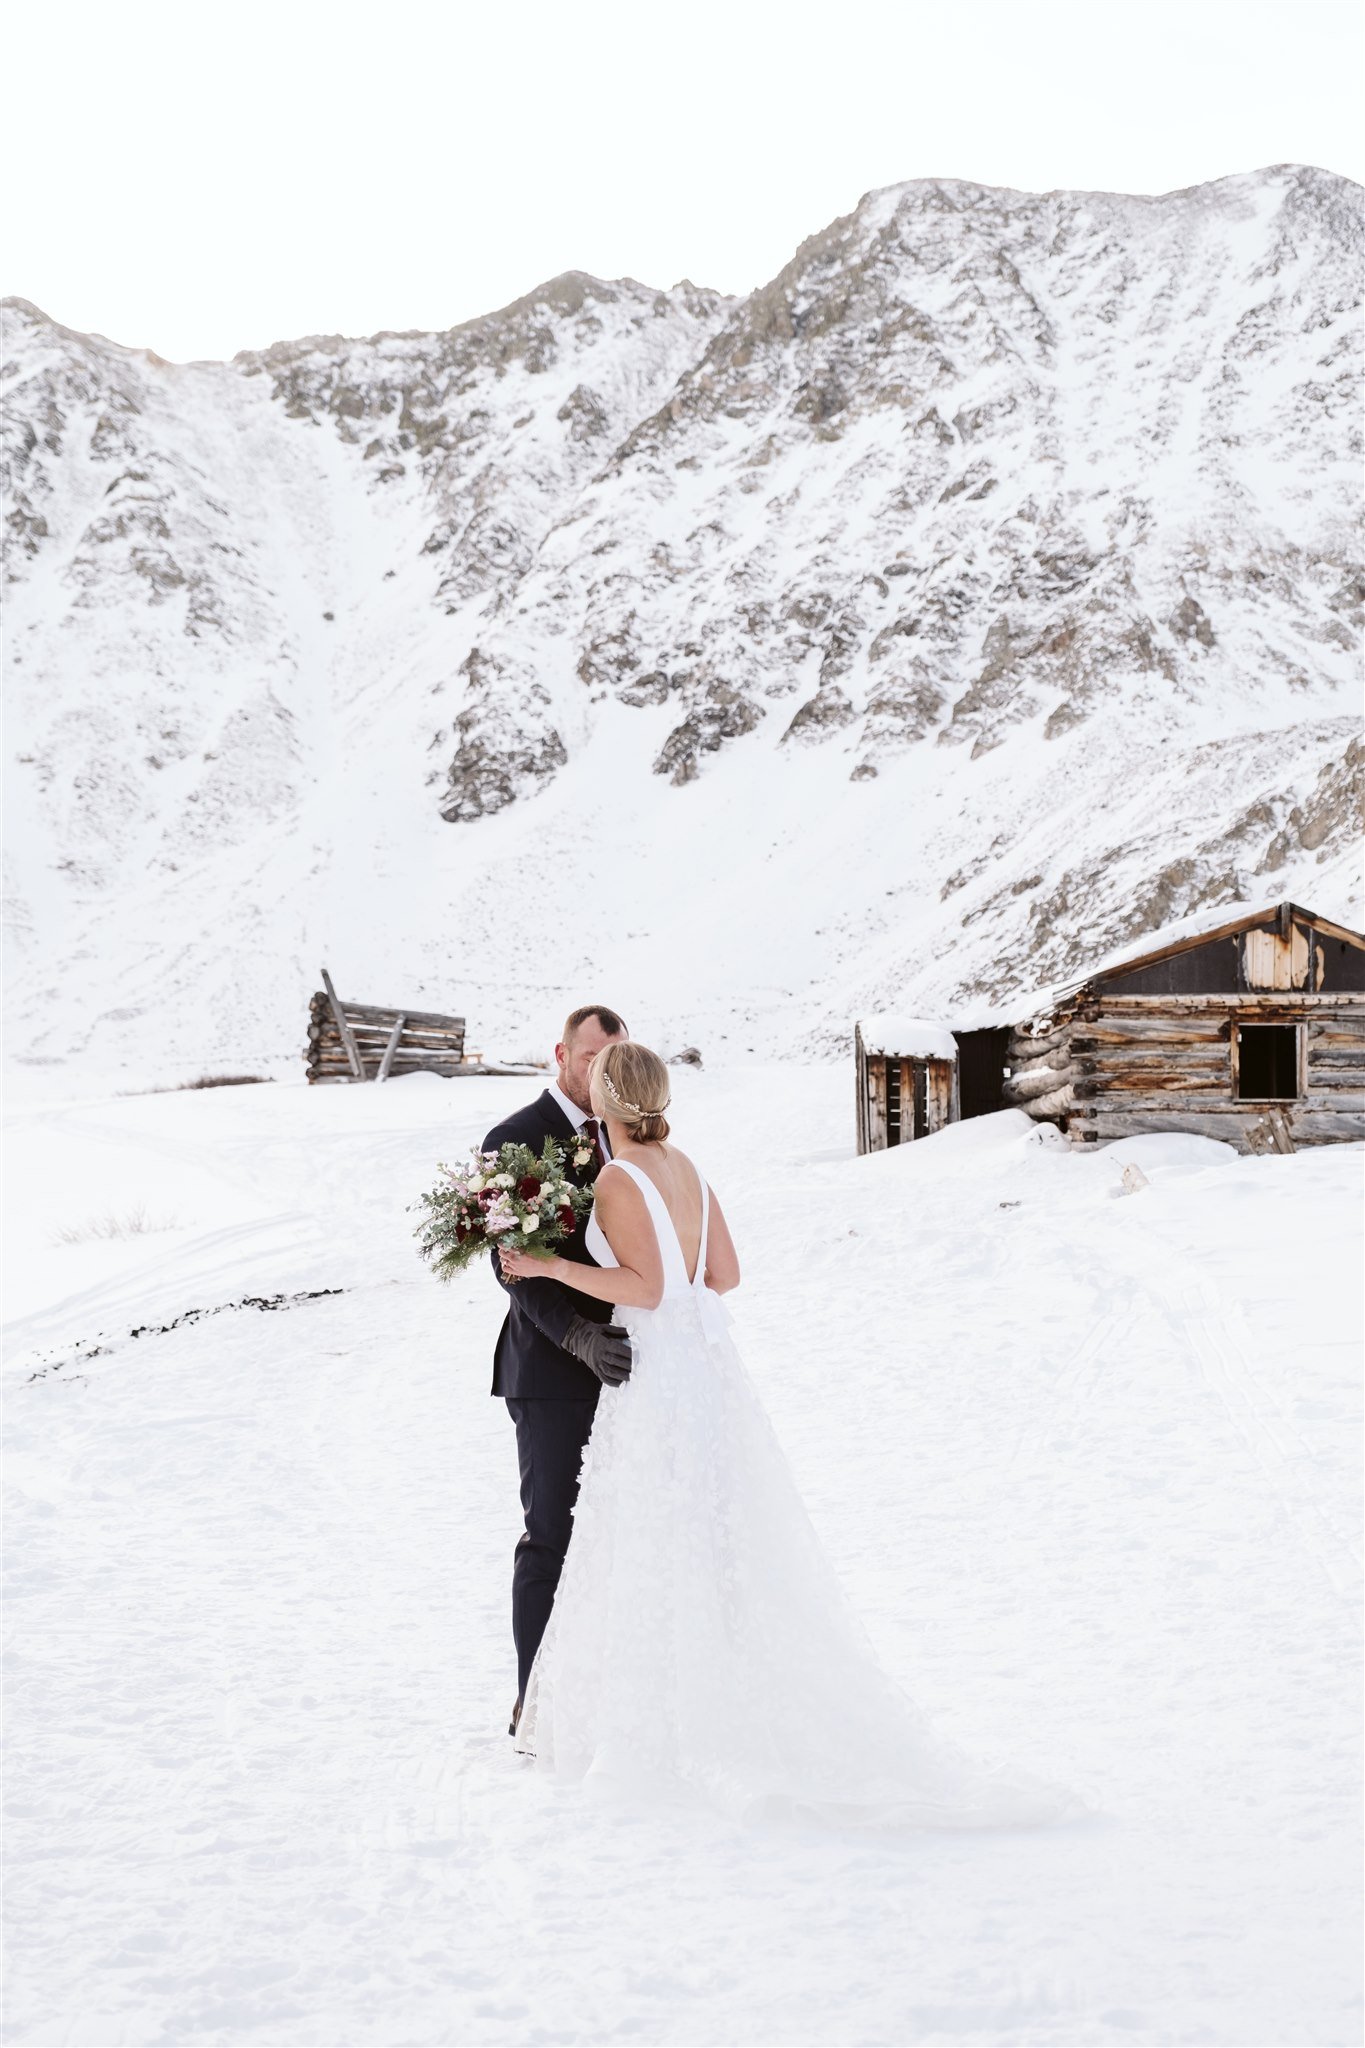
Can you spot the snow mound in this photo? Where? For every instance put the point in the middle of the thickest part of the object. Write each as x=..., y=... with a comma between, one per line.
x=1170, y=1151
x=959, y=1148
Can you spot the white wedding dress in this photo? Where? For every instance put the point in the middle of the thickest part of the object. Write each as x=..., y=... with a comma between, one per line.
x=700, y=1645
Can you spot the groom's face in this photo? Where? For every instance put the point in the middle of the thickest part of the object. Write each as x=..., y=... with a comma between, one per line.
x=577, y=1054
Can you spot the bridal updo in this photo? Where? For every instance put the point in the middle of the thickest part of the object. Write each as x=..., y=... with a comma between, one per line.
x=632, y=1082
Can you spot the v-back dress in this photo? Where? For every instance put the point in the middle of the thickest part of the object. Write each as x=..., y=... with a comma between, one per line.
x=701, y=1646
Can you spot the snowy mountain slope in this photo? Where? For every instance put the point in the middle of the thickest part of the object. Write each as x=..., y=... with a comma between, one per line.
x=978, y=460
x=978, y=593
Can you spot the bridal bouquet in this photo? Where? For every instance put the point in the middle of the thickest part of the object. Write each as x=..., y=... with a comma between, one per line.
x=511, y=1197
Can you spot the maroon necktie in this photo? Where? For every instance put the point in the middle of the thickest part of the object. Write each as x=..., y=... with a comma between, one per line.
x=591, y=1129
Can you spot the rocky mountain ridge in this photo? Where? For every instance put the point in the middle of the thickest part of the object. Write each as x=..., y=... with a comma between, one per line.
x=997, y=562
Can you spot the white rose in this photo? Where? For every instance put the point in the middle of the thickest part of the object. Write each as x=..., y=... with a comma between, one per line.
x=502, y=1180
x=531, y=1221
x=474, y=1183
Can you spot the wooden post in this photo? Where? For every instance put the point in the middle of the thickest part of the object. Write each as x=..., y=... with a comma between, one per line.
x=940, y=1083
x=860, y=1087
x=391, y=1048
x=877, y=1135
x=1279, y=1130
x=917, y=1073
x=352, y=1051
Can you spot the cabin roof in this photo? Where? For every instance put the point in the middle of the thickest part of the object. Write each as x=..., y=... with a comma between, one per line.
x=907, y=1037
x=1202, y=930
x=1180, y=936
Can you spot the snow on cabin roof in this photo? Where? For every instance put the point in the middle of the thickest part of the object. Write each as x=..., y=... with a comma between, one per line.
x=1181, y=932
x=908, y=1037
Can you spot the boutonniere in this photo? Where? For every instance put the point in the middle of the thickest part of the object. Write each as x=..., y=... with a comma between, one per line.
x=582, y=1155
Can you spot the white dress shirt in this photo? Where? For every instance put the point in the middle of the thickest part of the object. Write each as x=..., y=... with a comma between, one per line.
x=578, y=1117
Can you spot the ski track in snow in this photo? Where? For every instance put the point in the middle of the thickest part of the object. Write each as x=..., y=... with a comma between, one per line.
x=1086, y=1461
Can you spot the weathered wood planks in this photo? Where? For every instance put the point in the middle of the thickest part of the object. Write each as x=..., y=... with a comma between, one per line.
x=900, y=1097
x=357, y=1065
x=358, y=1041
x=1308, y=1127
x=1110, y=1065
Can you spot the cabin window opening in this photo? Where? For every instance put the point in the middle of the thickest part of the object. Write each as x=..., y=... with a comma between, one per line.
x=893, y=1102
x=1267, y=1062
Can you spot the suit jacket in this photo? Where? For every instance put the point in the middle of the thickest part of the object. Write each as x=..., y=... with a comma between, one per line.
x=529, y=1362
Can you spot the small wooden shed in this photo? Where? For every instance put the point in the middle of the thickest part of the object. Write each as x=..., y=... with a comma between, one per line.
x=1251, y=1030
x=906, y=1080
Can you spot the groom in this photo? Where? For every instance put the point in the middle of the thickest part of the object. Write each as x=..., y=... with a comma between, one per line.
x=557, y=1348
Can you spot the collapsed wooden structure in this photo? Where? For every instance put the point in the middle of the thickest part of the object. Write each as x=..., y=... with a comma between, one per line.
x=1251, y=1030
x=350, y=1041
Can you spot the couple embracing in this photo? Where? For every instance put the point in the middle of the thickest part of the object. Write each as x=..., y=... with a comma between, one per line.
x=692, y=1642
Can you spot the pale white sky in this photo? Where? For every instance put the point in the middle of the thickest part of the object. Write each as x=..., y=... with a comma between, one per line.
x=199, y=178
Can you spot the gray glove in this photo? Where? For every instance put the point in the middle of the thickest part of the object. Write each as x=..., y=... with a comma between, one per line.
x=603, y=1347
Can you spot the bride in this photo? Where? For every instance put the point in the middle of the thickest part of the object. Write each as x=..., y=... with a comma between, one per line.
x=700, y=1645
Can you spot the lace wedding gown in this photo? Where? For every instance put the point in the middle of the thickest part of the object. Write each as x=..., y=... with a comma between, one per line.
x=700, y=1645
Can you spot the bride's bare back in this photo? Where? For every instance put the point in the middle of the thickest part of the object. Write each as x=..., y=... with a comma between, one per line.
x=629, y=1089
x=679, y=1183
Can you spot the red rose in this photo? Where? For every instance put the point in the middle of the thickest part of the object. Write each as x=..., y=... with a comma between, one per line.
x=567, y=1222
x=487, y=1196
x=528, y=1188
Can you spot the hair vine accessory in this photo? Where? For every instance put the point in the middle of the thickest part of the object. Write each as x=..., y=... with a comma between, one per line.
x=620, y=1101
x=617, y=1097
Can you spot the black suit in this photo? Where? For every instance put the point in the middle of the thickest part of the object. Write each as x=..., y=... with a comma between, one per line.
x=550, y=1396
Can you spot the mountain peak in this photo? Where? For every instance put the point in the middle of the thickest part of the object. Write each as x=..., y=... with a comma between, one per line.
x=983, y=582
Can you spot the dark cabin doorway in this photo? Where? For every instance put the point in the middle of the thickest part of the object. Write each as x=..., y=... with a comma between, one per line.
x=981, y=1059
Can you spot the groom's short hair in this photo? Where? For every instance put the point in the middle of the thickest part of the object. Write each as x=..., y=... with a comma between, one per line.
x=608, y=1019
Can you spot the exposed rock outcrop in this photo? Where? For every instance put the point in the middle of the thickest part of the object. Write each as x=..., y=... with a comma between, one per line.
x=1011, y=539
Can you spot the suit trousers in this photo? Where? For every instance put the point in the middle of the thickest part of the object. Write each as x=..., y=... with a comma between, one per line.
x=551, y=1436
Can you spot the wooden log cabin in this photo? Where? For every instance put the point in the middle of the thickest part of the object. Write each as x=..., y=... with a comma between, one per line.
x=1250, y=1029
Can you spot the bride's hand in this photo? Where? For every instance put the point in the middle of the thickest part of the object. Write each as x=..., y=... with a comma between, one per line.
x=523, y=1265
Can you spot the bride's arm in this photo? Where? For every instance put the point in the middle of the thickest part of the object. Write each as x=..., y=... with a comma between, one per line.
x=722, y=1260
x=637, y=1282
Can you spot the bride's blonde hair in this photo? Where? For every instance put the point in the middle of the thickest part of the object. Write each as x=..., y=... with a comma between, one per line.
x=633, y=1082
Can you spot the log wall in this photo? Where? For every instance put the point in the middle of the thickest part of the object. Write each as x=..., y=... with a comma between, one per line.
x=1113, y=1065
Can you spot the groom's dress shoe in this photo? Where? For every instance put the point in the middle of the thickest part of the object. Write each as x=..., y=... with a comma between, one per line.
x=516, y=1716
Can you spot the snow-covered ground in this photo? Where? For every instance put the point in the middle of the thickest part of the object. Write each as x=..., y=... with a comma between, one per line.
x=1087, y=1460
